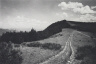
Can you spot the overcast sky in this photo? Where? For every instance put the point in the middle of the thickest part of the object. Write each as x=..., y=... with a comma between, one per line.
x=25, y=14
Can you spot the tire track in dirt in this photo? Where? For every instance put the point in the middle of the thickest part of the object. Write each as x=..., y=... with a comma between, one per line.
x=67, y=53
x=63, y=53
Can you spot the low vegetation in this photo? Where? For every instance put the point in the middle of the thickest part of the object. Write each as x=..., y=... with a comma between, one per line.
x=8, y=55
x=51, y=46
x=34, y=44
x=87, y=54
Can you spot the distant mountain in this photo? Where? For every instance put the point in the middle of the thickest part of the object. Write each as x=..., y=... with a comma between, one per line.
x=3, y=31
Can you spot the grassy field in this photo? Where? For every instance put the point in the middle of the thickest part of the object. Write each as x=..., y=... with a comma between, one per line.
x=32, y=55
x=80, y=40
x=35, y=55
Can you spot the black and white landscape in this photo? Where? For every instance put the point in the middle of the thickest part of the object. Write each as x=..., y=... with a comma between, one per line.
x=47, y=32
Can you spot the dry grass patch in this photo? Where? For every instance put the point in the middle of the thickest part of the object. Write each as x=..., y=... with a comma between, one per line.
x=34, y=55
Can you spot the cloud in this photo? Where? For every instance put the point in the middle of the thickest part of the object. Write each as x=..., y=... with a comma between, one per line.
x=76, y=7
x=93, y=7
x=23, y=23
x=85, y=18
x=84, y=10
x=63, y=15
x=88, y=18
x=70, y=5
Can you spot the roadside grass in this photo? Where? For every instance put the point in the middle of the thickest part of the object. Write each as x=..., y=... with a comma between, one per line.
x=84, y=48
x=87, y=54
x=80, y=40
x=35, y=55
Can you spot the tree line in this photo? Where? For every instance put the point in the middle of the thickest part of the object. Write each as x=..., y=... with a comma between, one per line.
x=19, y=37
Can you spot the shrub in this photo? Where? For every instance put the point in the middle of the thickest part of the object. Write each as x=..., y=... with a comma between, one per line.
x=34, y=44
x=24, y=43
x=91, y=59
x=16, y=45
x=8, y=55
x=87, y=54
x=51, y=46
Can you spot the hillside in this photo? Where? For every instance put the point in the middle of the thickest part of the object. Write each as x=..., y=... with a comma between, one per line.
x=40, y=54
x=58, y=26
x=83, y=26
x=53, y=29
x=76, y=40
x=60, y=43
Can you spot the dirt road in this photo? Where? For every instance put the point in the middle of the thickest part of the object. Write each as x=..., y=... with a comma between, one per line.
x=64, y=56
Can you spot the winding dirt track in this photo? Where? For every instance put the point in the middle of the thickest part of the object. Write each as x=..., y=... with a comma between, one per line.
x=66, y=55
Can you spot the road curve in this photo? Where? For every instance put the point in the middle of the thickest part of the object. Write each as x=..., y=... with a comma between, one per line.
x=64, y=55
